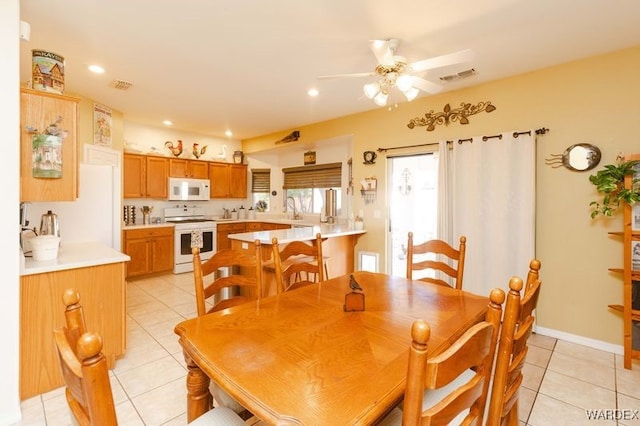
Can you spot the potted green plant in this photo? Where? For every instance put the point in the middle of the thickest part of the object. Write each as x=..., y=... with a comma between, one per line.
x=610, y=183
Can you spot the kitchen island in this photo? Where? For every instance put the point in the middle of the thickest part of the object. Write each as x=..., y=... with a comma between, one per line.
x=338, y=244
x=97, y=272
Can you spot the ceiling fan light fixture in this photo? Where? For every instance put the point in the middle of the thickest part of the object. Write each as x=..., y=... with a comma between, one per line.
x=380, y=99
x=411, y=93
x=404, y=82
x=371, y=89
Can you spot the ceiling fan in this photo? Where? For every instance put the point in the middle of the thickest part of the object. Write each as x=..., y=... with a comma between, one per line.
x=395, y=71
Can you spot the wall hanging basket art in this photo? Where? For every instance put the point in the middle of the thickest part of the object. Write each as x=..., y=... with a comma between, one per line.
x=46, y=151
x=448, y=115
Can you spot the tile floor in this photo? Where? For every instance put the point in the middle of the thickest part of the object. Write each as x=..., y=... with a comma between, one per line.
x=561, y=380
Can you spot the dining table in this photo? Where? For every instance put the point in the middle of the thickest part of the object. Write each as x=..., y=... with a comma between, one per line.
x=301, y=358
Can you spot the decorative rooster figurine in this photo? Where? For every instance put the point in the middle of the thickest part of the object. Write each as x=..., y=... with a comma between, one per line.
x=197, y=153
x=175, y=150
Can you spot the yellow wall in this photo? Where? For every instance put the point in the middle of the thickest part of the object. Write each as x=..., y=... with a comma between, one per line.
x=593, y=101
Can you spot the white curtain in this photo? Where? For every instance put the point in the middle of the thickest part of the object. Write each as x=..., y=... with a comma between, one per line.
x=492, y=203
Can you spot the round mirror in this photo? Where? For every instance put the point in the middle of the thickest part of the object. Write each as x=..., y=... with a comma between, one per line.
x=581, y=156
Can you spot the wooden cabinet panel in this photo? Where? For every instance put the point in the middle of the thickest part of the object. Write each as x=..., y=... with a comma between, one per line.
x=150, y=249
x=194, y=169
x=157, y=177
x=39, y=110
x=102, y=295
x=223, y=231
x=254, y=226
x=134, y=167
x=228, y=180
x=237, y=181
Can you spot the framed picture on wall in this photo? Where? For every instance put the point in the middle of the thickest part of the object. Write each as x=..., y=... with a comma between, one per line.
x=635, y=255
x=101, y=125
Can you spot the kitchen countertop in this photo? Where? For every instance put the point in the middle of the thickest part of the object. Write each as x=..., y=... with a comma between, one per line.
x=75, y=255
x=306, y=231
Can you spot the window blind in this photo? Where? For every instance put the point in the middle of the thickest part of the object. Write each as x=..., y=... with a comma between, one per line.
x=260, y=180
x=316, y=176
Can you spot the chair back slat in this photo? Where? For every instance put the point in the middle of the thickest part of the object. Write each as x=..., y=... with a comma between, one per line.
x=296, y=263
x=439, y=257
x=209, y=282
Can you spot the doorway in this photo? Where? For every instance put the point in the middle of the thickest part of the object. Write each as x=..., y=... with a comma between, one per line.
x=413, y=205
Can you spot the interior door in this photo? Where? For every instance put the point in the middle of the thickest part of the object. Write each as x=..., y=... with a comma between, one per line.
x=413, y=205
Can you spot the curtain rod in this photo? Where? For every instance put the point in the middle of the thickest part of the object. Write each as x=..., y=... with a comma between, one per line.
x=540, y=131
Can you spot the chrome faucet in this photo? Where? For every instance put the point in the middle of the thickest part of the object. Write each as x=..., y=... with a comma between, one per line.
x=296, y=215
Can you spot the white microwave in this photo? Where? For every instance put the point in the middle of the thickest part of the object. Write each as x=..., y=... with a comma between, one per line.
x=184, y=189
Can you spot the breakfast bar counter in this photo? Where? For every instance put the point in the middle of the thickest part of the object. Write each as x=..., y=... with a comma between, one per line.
x=338, y=245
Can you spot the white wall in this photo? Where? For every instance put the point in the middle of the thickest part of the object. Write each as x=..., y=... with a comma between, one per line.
x=9, y=216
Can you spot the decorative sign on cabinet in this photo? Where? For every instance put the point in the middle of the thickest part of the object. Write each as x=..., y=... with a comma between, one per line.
x=39, y=110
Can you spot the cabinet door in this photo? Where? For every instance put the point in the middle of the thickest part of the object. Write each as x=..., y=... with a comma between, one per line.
x=133, y=176
x=162, y=253
x=39, y=110
x=157, y=177
x=237, y=181
x=219, y=177
x=199, y=169
x=139, y=249
x=178, y=167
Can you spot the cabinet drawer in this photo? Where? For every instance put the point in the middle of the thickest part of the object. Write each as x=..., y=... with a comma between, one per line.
x=231, y=227
x=254, y=226
x=148, y=232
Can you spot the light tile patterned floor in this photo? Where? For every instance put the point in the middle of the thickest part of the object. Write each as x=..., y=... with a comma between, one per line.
x=561, y=380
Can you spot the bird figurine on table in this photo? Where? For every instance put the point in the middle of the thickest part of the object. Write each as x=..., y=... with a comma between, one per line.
x=197, y=153
x=175, y=150
x=353, y=284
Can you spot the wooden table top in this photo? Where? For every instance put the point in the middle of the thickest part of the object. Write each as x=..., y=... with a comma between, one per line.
x=298, y=358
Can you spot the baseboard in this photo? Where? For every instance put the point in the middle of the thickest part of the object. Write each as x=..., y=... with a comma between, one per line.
x=580, y=340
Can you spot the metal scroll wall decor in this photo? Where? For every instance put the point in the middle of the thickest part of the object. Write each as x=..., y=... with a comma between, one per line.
x=448, y=115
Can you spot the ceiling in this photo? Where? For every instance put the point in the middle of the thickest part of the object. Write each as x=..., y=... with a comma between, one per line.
x=246, y=65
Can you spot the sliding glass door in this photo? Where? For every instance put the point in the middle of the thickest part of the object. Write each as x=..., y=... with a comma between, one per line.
x=413, y=206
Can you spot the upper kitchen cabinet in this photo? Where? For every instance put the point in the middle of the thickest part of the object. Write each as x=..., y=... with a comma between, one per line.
x=195, y=169
x=228, y=180
x=145, y=176
x=48, y=162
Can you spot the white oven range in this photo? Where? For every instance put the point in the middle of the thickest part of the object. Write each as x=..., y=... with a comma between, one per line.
x=186, y=219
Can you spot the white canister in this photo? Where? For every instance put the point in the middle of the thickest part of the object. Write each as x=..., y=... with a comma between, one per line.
x=252, y=213
x=45, y=247
x=234, y=214
x=242, y=213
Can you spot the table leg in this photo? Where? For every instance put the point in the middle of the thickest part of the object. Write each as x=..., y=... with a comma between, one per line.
x=199, y=399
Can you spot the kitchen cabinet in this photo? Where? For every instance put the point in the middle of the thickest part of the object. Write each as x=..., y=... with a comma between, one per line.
x=145, y=176
x=102, y=295
x=150, y=249
x=39, y=110
x=228, y=180
x=267, y=226
x=630, y=307
x=223, y=231
x=194, y=169
x=254, y=226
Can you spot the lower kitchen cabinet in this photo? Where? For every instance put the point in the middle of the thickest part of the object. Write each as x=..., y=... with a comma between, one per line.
x=223, y=231
x=102, y=296
x=150, y=249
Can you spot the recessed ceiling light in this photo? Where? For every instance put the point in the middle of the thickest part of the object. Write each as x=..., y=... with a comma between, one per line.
x=313, y=92
x=96, y=68
x=167, y=123
x=228, y=133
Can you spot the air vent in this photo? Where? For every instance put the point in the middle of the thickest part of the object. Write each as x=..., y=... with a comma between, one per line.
x=122, y=85
x=457, y=76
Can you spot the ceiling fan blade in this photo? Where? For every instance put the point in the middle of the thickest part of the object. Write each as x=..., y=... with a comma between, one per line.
x=443, y=60
x=383, y=52
x=357, y=74
x=426, y=85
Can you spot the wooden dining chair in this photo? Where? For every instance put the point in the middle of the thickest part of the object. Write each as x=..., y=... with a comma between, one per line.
x=430, y=256
x=248, y=281
x=298, y=264
x=86, y=375
x=249, y=285
x=517, y=326
x=450, y=388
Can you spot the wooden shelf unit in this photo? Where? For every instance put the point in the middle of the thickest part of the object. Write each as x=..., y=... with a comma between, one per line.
x=629, y=275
